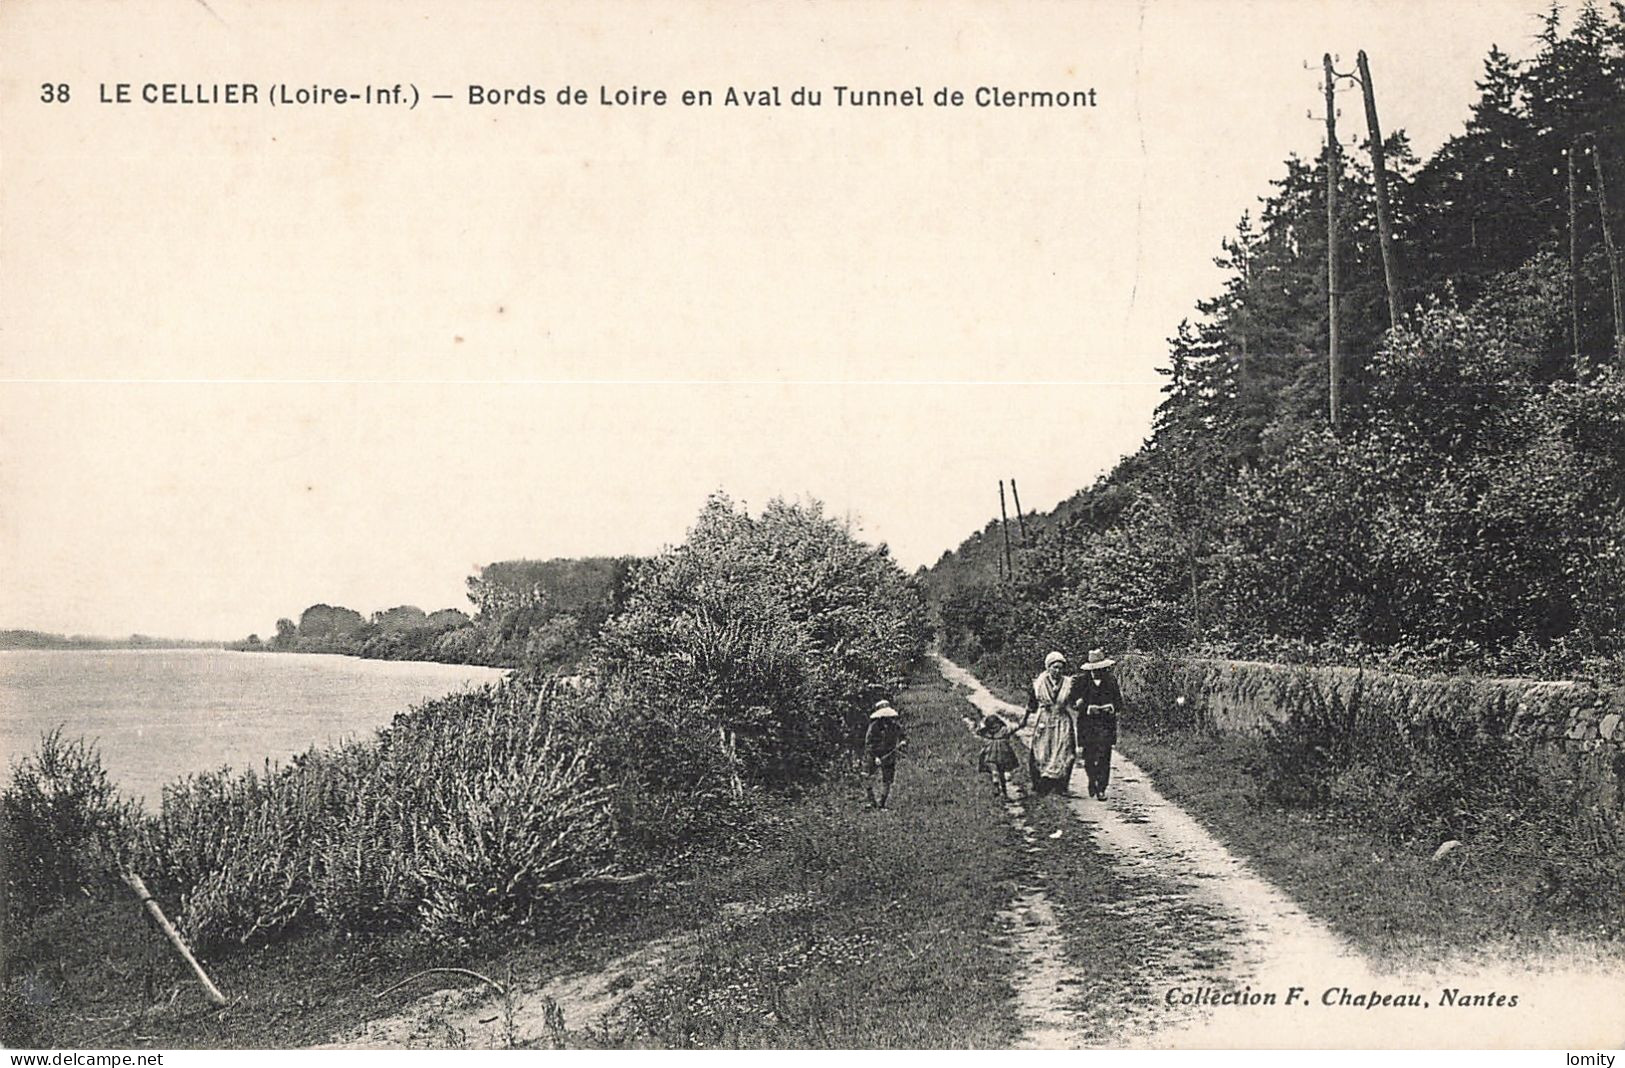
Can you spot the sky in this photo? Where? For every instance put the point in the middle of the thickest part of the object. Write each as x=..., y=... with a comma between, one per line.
x=255, y=357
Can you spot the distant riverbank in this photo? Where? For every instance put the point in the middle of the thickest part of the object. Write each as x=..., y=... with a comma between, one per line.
x=36, y=639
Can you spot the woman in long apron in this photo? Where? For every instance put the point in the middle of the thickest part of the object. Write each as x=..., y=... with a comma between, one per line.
x=1053, y=748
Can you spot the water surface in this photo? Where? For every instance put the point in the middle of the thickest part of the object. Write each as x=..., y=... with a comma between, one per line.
x=158, y=714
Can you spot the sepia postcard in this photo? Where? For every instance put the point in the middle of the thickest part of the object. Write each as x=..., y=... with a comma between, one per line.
x=808, y=525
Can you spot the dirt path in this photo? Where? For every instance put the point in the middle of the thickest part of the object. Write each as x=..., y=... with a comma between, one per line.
x=1041, y=985
x=533, y=1014
x=1269, y=946
x=526, y=1016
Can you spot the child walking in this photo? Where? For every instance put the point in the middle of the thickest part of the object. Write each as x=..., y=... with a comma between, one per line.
x=998, y=756
x=881, y=743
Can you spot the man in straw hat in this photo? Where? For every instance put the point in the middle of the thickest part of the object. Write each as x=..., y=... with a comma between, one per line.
x=882, y=741
x=1095, y=700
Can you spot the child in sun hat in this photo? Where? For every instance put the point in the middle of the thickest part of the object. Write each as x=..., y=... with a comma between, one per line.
x=882, y=742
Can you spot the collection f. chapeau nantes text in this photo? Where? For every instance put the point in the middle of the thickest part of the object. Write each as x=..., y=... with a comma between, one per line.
x=407, y=94
x=1339, y=997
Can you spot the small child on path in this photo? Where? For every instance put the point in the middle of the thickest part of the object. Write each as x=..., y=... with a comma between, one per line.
x=881, y=744
x=998, y=755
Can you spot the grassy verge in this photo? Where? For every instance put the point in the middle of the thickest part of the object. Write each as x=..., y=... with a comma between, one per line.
x=890, y=935
x=99, y=973
x=891, y=940
x=1390, y=899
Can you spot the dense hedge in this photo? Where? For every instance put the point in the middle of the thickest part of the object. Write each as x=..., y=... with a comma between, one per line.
x=775, y=633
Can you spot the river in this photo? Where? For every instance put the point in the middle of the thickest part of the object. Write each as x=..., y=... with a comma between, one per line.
x=158, y=714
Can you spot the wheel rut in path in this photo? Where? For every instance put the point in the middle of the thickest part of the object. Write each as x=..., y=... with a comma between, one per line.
x=1041, y=983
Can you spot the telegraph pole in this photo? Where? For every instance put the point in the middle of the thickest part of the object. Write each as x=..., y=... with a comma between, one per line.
x=1004, y=526
x=1380, y=176
x=1020, y=520
x=1613, y=254
x=1247, y=294
x=1332, y=165
x=1574, y=261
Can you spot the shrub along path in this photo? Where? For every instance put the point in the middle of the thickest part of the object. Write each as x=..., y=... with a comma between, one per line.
x=1220, y=931
x=828, y=924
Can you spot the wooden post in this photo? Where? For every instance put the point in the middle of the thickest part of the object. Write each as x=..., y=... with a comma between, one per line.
x=1332, y=165
x=1613, y=254
x=1574, y=263
x=1379, y=173
x=1004, y=525
x=135, y=883
x=1021, y=522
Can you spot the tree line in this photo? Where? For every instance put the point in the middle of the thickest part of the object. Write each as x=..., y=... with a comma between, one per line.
x=542, y=613
x=35, y=639
x=1468, y=510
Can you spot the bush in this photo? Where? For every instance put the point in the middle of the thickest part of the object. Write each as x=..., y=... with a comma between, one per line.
x=500, y=803
x=466, y=813
x=60, y=818
x=1311, y=744
x=765, y=639
x=231, y=852
x=1167, y=694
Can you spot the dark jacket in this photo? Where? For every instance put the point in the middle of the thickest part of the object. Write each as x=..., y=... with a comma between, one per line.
x=1097, y=690
x=883, y=737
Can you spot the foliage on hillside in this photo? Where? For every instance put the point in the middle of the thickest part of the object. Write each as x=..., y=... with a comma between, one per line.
x=1470, y=511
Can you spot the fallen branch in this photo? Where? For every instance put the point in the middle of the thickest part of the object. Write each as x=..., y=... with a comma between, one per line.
x=487, y=980
x=134, y=882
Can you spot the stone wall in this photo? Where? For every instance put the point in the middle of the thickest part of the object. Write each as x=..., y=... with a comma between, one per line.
x=1575, y=732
